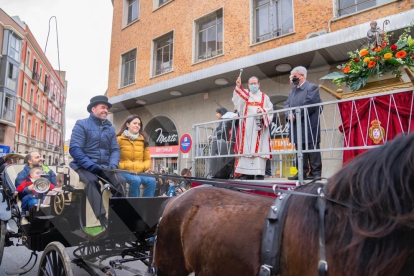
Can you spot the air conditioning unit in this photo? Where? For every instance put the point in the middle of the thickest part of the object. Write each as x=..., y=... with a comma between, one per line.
x=315, y=34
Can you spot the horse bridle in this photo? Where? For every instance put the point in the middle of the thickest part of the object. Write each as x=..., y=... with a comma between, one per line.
x=273, y=231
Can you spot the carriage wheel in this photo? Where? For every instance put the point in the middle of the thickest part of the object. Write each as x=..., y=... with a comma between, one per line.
x=55, y=261
x=59, y=203
x=3, y=230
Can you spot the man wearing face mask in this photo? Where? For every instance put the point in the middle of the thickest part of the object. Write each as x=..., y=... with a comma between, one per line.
x=306, y=93
x=253, y=136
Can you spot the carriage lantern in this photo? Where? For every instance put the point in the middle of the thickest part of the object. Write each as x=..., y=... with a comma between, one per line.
x=41, y=186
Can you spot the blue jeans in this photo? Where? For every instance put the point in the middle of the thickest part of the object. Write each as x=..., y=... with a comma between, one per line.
x=28, y=201
x=135, y=182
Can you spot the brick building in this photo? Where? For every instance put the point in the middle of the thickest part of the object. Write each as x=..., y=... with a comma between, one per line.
x=11, y=38
x=34, y=95
x=174, y=62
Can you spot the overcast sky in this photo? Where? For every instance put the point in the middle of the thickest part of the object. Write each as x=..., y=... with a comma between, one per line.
x=84, y=29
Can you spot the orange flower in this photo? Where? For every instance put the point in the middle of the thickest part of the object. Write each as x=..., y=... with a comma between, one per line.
x=346, y=70
x=377, y=49
x=387, y=56
x=401, y=54
x=367, y=59
x=371, y=64
x=363, y=52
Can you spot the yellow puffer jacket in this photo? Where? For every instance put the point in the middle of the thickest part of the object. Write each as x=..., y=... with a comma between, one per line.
x=134, y=157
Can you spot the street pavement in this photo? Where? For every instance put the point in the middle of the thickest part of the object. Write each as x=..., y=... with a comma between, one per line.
x=15, y=257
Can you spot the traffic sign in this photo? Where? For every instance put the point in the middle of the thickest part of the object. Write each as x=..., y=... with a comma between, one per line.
x=185, y=143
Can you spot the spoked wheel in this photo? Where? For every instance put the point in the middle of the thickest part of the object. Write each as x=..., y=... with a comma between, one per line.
x=3, y=230
x=55, y=261
x=59, y=203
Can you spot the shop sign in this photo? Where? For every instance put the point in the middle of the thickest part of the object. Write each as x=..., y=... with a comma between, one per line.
x=278, y=129
x=4, y=150
x=161, y=139
x=281, y=144
x=164, y=151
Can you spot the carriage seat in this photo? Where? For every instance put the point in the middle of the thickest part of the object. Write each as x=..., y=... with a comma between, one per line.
x=10, y=175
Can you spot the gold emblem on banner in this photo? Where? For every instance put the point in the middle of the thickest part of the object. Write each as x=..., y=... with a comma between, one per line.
x=376, y=132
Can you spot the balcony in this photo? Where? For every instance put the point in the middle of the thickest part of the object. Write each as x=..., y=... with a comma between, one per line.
x=31, y=109
x=49, y=122
x=33, y=142
x=58, y=126
x=43, y=145
x=57, y=149
x=53, y=97
x=46, y=90
x=22, y=139
x=35, y=78
x=36, y=106
x=43, y=118
x=50, y=146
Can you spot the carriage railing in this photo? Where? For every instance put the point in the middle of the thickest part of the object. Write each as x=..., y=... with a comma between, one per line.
x=337, y=130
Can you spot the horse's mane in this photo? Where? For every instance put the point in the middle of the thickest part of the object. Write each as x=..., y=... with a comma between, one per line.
x=375, y=235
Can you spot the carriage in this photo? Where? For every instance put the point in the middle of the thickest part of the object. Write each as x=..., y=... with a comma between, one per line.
x=63, y=219
x=359, y=222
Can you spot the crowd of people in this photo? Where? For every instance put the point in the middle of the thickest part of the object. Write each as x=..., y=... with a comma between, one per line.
x=102, y=154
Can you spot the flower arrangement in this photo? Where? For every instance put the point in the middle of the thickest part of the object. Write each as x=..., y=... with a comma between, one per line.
x=376, y=61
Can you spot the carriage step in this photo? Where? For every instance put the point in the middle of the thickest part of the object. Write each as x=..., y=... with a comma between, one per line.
x=18, y=271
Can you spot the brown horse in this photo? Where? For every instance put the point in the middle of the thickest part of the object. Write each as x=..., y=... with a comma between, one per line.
x=217, y=232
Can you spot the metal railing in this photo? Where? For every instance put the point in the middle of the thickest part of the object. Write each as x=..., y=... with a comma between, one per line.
x=374, y=119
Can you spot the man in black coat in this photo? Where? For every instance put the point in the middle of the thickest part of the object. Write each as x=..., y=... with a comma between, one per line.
x=306, y=93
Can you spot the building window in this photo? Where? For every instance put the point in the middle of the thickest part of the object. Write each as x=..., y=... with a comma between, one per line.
x=128, y=68
x=22, y=121
x=31, y=96
x=28, y=58
x=35, y=130
x=272, y=18
x=47, y=135
x=133, y=10
x=24, y=91
x=29, y=127
x=163, y=54
x=13, y=70
x=209, y=36
x=353, y=6
x=8, y=108
x=12, y=74
x=159, y=3
x=14, y=51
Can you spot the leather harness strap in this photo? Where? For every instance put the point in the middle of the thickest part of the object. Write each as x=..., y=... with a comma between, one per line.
x=273, y=232
x=272, y=236
x=322, y=265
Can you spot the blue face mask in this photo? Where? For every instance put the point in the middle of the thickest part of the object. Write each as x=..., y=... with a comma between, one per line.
x=253, y=88
x=171, y=184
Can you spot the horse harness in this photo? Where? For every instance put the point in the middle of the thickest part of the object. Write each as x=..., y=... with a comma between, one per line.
x=273, y=231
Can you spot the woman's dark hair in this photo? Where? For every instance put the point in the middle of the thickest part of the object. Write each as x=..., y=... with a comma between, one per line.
x=128, y=120
x=221, y=110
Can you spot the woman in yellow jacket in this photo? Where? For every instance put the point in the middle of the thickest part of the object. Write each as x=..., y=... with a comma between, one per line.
x=135, y=156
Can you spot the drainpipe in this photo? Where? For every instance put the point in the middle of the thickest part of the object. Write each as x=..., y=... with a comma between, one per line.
x=334, y=4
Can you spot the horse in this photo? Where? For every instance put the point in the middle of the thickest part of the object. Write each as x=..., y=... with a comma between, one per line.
x=369, y=224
